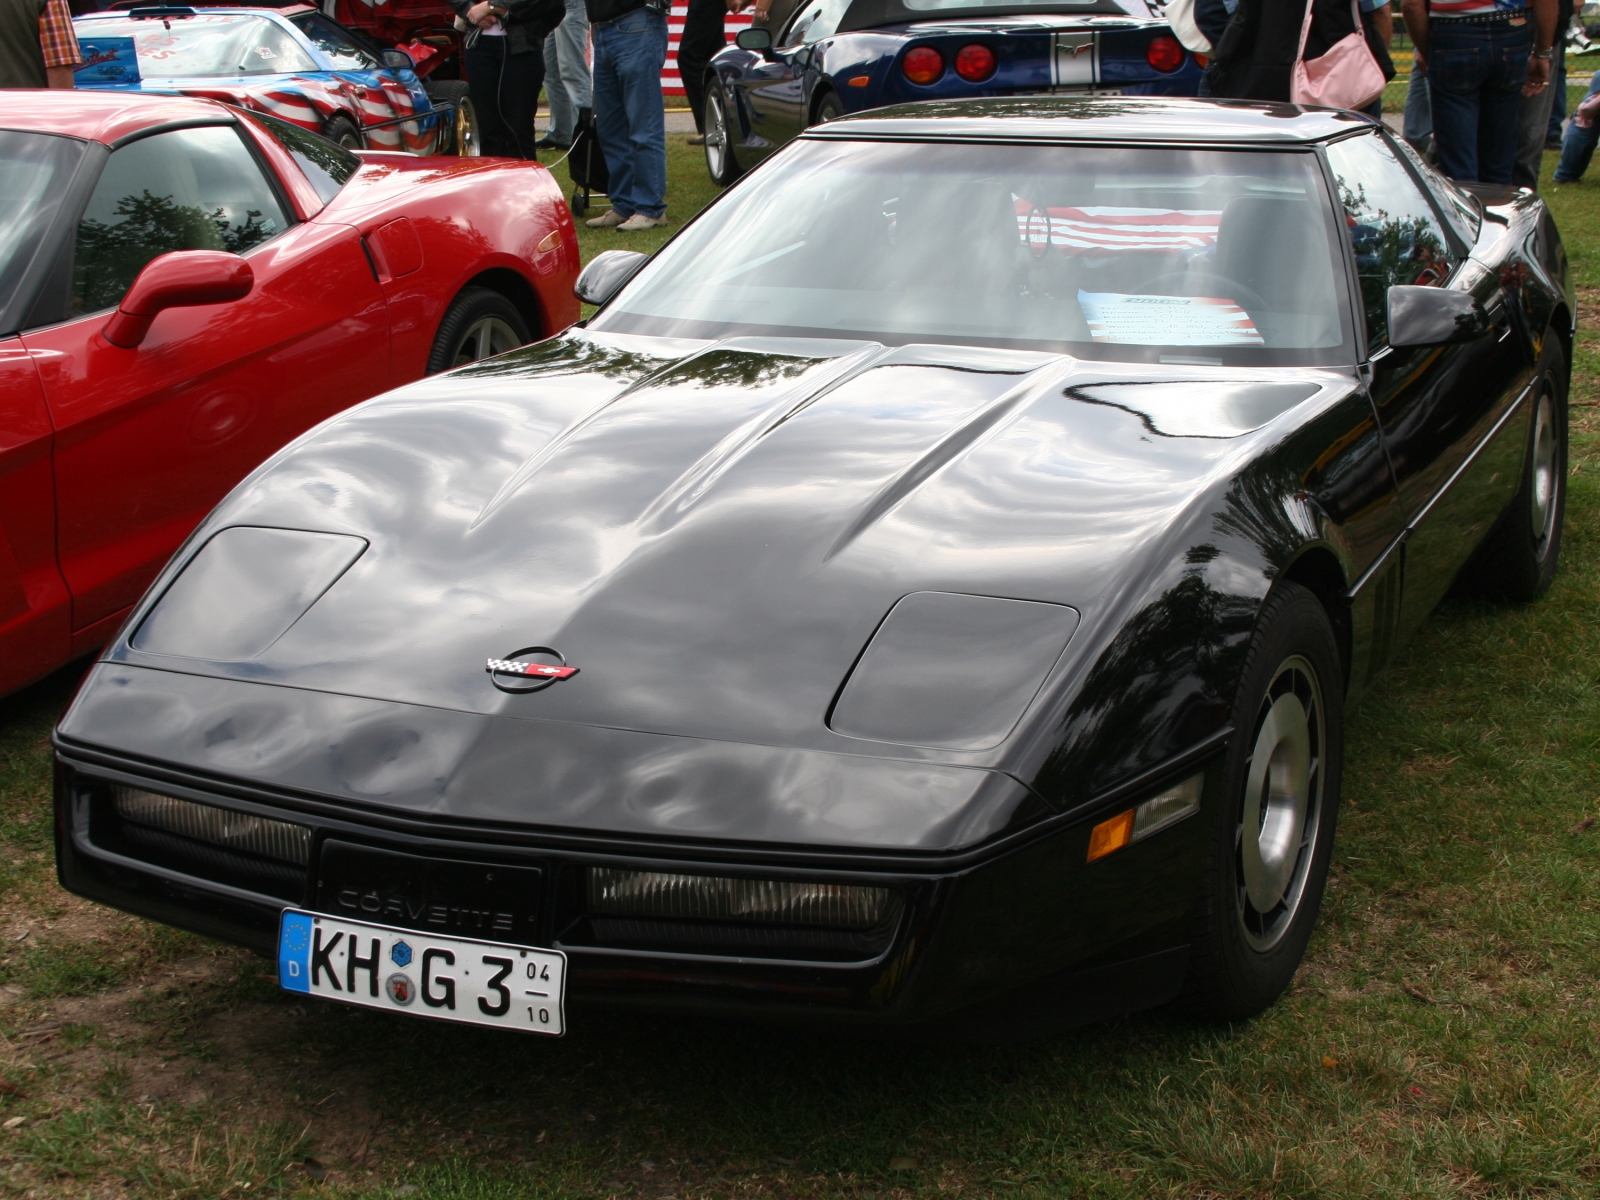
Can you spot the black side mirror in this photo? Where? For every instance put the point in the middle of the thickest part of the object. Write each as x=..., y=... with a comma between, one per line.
x=1433, y=316
x=606, y=273
x=398, y=60
x=759, y=40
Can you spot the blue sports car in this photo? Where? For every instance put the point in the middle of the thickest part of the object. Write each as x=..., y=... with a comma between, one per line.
x=834, y=57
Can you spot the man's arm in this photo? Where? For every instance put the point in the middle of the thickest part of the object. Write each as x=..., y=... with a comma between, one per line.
x=1544, y=36
x=60, y=44
x=1415, y=15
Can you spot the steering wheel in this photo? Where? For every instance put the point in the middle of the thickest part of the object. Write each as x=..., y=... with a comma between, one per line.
x=1229, y=288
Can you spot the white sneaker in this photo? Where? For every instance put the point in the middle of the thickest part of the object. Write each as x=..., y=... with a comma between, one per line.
x=639, y=221
x=609, y=219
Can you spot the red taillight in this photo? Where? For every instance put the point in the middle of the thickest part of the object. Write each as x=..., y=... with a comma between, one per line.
x=975, y=63
x=922, y=64
x=1164, y=53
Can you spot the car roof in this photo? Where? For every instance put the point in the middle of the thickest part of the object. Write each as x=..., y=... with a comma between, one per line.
x=104, y=116
x=1105, y=118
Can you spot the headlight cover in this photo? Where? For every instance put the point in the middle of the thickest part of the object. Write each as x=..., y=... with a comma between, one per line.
x=950, y=671
x=243, y=590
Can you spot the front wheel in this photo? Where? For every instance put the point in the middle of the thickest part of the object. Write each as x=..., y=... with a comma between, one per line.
x=460, y=132
x=829, y=109
x=1517, y=561
x=341, y=131
x=479, y=323
x=1272, y=835
x=720, y=126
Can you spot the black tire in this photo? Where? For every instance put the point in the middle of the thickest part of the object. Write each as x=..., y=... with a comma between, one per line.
x=580, y=202
x=721, y=134
x=1288, y=714
x=342, y=131
x=828, y=108
x=479, y=323
x=1517, y=561
x=460, y=134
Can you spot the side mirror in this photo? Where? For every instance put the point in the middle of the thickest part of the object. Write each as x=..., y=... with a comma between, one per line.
x=398, y=60
x=759, y=40
x=606, y=273
x=1433, y=316
x=181, y=279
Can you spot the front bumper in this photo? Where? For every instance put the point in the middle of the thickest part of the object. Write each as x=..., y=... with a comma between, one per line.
x=1031, y=934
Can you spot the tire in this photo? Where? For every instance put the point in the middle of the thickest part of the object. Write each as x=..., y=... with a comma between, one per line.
x=342, y=131
x=460, y=135
x=479, y=323
x=721, y=161
x=828, y=108
x=580, y=202
x=1281, y=776
x=1517, y=561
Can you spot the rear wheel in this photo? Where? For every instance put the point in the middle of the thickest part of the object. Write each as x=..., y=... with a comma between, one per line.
x=1517, y=561
x=479, y=323
x=341, y=131
x=720, y=126
x=1272, y=835
x=460, y=133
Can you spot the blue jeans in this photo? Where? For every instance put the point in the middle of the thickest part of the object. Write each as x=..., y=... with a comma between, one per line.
x=1418, y=129
x=1577, y=146
x=629, y=114
x=1475, y=75
x=1558, y=82
x=566, y=71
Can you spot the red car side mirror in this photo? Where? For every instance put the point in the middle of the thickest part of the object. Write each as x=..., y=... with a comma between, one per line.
x=181, y=279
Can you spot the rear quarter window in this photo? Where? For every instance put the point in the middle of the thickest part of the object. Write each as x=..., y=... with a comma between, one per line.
x=327, y=166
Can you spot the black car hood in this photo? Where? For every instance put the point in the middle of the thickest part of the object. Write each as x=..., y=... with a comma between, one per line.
x=710, y=532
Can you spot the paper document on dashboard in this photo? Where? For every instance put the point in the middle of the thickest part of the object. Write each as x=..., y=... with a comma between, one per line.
x=1167, y=320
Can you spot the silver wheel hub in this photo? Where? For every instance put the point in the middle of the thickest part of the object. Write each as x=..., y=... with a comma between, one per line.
x=1542, y=510
x=1277, y=832
x=716, y=134
x=484, y=338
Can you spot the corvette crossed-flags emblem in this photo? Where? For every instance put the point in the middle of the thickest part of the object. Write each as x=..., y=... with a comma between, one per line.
x=531, y=670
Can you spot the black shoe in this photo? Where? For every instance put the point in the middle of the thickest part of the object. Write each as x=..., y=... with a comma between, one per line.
x=1552, y=143
x=549, y=143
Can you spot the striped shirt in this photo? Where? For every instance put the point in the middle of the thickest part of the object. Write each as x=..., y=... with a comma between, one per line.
x=56, y=39
x=1446, y=9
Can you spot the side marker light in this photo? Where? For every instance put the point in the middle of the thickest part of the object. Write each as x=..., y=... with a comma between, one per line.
x=859, y=80
x=1153, y=815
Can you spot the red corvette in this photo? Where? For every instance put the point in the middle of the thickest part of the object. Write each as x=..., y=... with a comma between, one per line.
x=184, y=288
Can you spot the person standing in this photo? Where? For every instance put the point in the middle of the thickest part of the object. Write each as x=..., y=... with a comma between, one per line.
x=1255, y=56
x=504, y=58
x=1377, y=24
x=566, y=75
x=37, y=46
x=1480, y=55
x=704, y=33
x=1533, y=115
x=630, y=50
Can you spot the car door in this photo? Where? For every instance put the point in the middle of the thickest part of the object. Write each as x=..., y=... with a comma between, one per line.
x=1436, y=405
x=148, y=439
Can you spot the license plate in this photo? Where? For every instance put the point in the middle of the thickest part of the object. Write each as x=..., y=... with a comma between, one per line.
x=455, y=979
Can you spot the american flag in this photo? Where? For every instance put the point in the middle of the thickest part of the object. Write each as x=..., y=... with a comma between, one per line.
x=1080, y=230
x=670, y=83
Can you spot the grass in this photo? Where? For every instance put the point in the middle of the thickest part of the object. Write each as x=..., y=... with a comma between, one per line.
x=1442, y=1039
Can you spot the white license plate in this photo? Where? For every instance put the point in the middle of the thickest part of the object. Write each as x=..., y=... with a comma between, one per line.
x=456, y=979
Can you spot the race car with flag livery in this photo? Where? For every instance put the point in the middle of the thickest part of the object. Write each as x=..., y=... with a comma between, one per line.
x=293, y=63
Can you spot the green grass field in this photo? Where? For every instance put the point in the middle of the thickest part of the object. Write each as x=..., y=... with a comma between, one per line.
x=1442, y=1039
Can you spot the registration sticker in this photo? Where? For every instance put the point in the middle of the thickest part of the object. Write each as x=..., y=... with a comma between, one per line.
x=455, y=979
x=1167, y=320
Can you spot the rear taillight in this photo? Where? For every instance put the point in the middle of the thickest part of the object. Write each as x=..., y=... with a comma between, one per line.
x=1164, y=53
x=922, y=64
x=975, y=63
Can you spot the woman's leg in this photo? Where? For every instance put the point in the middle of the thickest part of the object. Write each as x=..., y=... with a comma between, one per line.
x=485, y=62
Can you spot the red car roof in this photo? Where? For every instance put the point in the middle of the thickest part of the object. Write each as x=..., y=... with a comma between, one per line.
x=101, y=116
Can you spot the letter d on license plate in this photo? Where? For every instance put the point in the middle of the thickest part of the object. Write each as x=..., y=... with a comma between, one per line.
x=456, y=979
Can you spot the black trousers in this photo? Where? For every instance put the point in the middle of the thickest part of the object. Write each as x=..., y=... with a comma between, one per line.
x=703, y=37
x=505, y=91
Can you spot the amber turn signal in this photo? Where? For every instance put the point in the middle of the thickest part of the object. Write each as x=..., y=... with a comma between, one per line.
x=1111, y=835
x=859, y=80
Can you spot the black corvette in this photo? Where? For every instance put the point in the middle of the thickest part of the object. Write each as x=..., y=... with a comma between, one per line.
x=926, y=594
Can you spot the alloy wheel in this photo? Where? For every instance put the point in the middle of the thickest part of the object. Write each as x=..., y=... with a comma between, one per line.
x=716, y=136
x=484, y=338
x=467, y=138
x=1544, y=484
x=1276, y=837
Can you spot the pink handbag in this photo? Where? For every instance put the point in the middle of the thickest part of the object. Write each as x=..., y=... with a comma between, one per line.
x=1347, y=76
